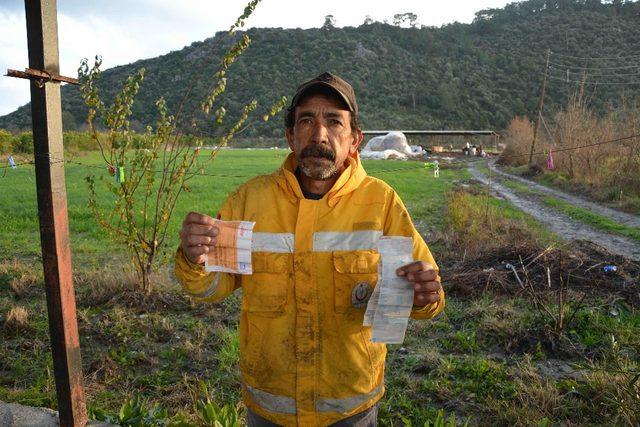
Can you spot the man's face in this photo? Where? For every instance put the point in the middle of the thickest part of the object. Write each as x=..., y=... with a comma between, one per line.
x=322, y=138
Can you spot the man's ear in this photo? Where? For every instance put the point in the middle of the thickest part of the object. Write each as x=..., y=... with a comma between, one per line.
x=288, y=133
x=357, y=139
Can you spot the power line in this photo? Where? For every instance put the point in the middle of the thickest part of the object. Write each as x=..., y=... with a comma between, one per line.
x=625, y=138
x=578, y=67
x=564, y=71
x=615, y=58
x=601, y=83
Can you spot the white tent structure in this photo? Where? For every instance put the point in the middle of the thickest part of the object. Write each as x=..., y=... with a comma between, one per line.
x=393, y=145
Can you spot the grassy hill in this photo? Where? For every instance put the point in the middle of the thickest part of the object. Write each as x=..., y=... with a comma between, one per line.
x=476, y=75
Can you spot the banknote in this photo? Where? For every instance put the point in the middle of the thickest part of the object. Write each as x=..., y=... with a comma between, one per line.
x=390, y=330
x=232, y=252
x=390, y=304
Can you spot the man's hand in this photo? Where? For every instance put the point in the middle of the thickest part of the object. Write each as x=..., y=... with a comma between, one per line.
x=197, y=236
x=424, y=280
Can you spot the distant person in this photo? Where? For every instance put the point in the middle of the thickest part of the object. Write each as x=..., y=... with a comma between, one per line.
x=305, y=357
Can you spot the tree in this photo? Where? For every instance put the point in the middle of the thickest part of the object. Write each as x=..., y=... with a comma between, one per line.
x=408, y=17
x=329, y=22
x=6, y=141
x=151, y=170
x=23, y=143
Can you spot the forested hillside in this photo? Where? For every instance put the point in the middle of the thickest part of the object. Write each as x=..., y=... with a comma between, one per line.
x=476, y=75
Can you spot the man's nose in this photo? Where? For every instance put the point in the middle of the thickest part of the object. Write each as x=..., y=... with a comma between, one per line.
x=320, y=133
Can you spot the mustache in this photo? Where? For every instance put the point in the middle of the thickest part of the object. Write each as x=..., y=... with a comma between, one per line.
x=316, y=150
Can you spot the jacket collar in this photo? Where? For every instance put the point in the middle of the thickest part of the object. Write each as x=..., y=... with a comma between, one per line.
x=347, y=182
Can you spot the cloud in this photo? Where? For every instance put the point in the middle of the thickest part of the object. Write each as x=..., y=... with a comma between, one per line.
x=95, y=35
x=13, y=54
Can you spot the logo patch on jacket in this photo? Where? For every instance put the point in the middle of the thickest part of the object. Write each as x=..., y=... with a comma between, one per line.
x=360, y=294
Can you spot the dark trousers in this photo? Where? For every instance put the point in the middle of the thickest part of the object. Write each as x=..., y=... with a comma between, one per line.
x=366, y=418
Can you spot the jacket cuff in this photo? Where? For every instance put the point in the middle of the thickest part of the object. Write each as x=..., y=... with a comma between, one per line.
x=188, y=274
x=428, y=311
x=195, y=267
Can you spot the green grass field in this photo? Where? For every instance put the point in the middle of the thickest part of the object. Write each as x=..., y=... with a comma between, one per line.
x=488, y=358
x=18, y=206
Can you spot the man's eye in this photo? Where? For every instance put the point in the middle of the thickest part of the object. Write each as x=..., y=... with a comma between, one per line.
x=335, y=122
x=304, y=121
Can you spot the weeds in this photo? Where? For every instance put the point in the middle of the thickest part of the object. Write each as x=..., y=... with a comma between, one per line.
x=134, y=413
x=17, y=321
x=441, y=421
x=213, y=415
x=476, y=225
x=20, y=280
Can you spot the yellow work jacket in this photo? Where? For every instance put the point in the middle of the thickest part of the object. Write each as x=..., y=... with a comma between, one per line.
x=305, y=357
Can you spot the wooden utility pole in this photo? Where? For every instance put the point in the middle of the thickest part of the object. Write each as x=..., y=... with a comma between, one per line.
x=540, y=106
x=46, y=114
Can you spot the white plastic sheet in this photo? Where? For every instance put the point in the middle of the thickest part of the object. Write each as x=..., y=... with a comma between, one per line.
x=393, y=145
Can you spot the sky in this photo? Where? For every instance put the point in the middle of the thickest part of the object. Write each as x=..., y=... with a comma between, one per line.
x=125, y=31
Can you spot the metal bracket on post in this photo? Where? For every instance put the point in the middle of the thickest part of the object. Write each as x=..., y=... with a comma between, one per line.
x=41, y=77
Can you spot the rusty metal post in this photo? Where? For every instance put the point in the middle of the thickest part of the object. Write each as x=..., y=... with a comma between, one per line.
x=46, y=110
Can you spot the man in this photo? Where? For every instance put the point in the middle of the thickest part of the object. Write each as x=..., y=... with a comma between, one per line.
x=305, y=357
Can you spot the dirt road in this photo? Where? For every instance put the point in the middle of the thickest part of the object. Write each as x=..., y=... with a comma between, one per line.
x=558, y=222
x=621, y=217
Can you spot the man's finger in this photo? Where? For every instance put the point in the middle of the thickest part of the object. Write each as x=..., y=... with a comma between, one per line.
x=198, y=218
x=198, y=240
x=428, y=287
x=194, y=251
x=204, y=230
x=198, y=253
x=424, y=298
x=422, y=276
x=413, y=267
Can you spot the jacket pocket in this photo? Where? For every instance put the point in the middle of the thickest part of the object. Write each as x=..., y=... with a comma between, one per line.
x=354, y=277
x=266, y=290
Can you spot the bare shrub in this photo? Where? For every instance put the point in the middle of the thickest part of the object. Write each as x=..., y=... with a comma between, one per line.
x=614, y=165
x=595, y=151
x=518, y=141
x=576, y=127
x=17, y=321
x=621, y=169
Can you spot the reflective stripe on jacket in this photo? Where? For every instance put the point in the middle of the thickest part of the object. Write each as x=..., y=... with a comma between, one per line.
x=305, y=357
